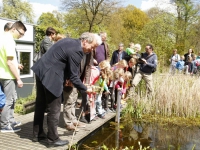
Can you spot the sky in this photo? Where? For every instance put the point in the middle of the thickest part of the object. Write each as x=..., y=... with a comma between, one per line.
x=40, y=6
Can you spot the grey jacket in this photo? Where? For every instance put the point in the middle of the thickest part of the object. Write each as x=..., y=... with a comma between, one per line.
x=45, y=45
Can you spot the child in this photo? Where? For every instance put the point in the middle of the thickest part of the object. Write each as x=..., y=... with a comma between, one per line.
x=189, y=66
x=105, y=96
x=132, y=66
x=121, y=64
x=130, y=49
x=127, y=79
x=101, y=82
x=180, y=64
x=118, y=83
x=194, y=65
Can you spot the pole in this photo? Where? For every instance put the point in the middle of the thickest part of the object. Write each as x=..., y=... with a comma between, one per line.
x=117, y=118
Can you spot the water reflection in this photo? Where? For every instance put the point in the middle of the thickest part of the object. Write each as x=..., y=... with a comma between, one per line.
x=153, y=135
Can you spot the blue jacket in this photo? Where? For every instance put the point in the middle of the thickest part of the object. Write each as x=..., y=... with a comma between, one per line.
x=151, y=63
x=180, y=65
x=115, y=55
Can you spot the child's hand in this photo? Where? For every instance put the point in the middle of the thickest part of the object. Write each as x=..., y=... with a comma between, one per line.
x=107, y=92
x=89, y=90
x=90, y=99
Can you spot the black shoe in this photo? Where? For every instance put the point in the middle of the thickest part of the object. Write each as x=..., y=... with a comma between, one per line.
x=83, y=119
x=58, y=143
x=40, y=137
x=113, y=110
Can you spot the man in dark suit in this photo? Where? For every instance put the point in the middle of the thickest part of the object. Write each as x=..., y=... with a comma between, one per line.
x=118, y=55
x=60, y=62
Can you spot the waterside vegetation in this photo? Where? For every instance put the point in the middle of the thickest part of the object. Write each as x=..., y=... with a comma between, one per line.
x=174, y=98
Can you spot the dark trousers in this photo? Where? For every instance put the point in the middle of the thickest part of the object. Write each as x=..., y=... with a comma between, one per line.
x=46, y=100
x=105, y=98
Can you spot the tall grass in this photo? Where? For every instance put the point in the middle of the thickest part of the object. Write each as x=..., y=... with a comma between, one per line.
x=177, y=95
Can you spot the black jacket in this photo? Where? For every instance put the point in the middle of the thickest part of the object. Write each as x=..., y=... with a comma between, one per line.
x=151, y=63
x=60, y=62
x=115, y=55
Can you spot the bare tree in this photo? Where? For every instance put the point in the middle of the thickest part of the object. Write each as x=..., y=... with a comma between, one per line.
x=95, y=10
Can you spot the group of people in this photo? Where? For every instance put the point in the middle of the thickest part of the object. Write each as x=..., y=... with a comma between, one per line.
x=67, y=67
x=188, y=63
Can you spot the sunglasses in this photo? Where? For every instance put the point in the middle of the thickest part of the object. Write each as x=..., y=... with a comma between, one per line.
x=22, y=34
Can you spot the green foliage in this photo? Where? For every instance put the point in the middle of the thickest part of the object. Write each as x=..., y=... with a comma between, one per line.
x=76, y=25
x=187, y=15
x=92, y=12
x=51, y=20
x=17, y=10
x=48, y=20
x=125, y=24
x=39, y=35
x=160, y=31
x=19, y=105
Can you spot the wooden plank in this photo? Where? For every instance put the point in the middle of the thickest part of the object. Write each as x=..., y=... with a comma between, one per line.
x=22, y=140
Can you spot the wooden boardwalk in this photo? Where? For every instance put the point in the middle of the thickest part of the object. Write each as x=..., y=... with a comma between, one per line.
x=22, y=140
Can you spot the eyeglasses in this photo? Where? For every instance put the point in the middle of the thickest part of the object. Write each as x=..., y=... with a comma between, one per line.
x=22, y=34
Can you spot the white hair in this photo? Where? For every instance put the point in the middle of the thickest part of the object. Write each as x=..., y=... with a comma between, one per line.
x=98, y=39
x=87, y=36
x=137, y=46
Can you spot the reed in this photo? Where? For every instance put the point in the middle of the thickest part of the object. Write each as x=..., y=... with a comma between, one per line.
x=177, y=95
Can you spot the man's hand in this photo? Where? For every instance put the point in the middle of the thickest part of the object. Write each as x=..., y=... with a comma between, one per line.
x=20, y=66
x=68, y=83
x=144, y=60
x=19, y=83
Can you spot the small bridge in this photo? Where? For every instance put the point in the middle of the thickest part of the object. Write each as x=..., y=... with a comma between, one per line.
x=22, y=140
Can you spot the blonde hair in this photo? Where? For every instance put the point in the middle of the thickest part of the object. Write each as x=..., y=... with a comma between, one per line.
x=104, y=64
x=59, y=37
x=127, y=75
x=133, y=60
x=122, y=62
x=131, y=45
x=183, y=57
x=110, y=74
x=119, y=72
x=137, y=47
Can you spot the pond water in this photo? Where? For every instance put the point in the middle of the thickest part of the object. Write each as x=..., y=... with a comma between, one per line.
x=153, y=135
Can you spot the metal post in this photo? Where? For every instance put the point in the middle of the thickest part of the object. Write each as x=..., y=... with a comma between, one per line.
x=117, y=118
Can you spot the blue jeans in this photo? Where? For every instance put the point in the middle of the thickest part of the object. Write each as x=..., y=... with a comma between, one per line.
x=99, y=107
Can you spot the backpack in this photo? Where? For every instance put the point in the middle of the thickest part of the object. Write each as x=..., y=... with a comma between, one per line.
x=154, y=70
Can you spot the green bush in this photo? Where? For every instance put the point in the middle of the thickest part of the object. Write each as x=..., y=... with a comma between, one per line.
x=22, y=102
